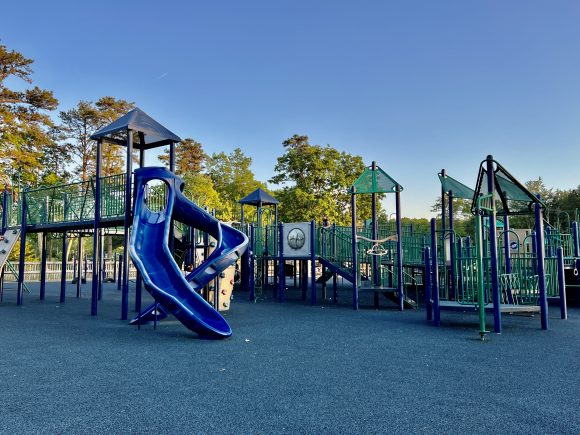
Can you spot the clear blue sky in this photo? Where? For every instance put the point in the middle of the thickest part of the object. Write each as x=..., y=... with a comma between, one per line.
x=415, y=85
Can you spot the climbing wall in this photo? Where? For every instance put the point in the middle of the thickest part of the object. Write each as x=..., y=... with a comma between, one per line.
x=6, y=245
x=225, y=282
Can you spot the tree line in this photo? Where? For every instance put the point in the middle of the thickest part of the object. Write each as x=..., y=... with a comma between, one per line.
x=41, y=146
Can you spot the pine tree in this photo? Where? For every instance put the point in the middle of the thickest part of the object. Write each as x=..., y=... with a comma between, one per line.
x=24, y=120
x=189, y=157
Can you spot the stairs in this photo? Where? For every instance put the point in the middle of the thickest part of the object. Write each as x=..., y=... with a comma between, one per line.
x=407, y=301
x=337, y=268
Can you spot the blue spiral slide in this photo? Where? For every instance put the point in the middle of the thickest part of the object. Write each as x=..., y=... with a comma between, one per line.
x=161, y=275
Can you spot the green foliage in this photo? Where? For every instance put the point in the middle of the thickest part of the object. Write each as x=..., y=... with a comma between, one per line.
x=189, y=157
x=232, y=177
x=24, y=121
x=199, y=188
x=80, y=122
x=316, y=180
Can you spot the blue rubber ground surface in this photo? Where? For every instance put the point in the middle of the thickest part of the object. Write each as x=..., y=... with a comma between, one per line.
x=288, y=368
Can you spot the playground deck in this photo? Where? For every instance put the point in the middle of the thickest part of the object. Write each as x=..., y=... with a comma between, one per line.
x=504, y=308
x=288, y=368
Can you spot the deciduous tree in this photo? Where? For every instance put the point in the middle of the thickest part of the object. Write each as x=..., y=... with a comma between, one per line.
x=232, y=177
x=315, y=182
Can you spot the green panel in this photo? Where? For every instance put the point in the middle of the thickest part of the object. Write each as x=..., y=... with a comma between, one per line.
x=510, y=190
x=459, y=190
x=377, y=181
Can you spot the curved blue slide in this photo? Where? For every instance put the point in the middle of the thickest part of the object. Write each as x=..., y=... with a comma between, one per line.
x=161, y=275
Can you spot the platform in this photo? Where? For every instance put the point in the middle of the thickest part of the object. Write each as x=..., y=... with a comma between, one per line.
x=504, y=308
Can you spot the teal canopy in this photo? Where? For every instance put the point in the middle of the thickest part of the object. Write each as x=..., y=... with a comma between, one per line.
x=512, y=197
x=458, y=189
x=375, y=181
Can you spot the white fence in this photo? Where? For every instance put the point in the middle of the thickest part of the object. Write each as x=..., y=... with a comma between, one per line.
x=53, y=270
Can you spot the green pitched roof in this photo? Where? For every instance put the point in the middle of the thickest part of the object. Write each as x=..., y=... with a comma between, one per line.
x=375, y=181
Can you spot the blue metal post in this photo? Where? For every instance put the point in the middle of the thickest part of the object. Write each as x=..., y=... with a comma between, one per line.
x=114, y=268
x=127, y=225
x=281, y=266
x=172, y=227
x=562, y=284
x=251, y=272
x=355, y=270
x=427, y=281
x=43, y=268
x=102, y=263
x=21, y=263
x=63, y=266
x=313, y=262
x=435, y=275
x=443, y=206
x=85, y=267
x=120, y=272
x=540, y=262
x=74, y=267
x=334, y=289
x=252, y=258
x=506, y=244
x=452, y=289
x=139, y=279
x=400, y=283
x=96, y=226
x=493, y=249
x=79, y=266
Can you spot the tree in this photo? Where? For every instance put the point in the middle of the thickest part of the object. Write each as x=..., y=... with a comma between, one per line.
x=316, y=182
x=110, y=109
x=77, y=126
x=189, y=157
x=24, y=120
x=55, y=162
x=200, y=189
x=232, y=177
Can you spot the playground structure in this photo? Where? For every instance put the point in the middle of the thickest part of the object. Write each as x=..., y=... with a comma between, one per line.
x=107, y=204
x=510, y=270
x=384, y=259
x=500, y=270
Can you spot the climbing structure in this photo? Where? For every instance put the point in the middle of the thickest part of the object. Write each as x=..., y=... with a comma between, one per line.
x=498, y=272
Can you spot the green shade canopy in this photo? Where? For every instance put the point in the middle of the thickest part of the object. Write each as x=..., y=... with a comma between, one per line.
x=512, y=197
x=458, y=189
x=375, y=181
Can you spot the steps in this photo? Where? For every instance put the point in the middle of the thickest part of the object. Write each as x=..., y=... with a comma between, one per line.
x=336, y=268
